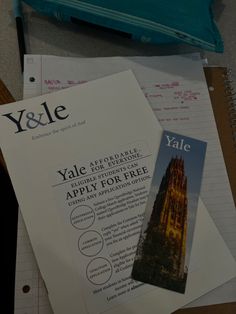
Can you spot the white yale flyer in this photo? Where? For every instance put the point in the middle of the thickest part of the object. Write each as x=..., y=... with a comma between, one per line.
x=81, y=161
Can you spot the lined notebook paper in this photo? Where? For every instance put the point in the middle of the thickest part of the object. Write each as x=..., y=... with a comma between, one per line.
x=30, y=291
x=179, y=97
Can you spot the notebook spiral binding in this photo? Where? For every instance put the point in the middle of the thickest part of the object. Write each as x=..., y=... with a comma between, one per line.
x=230, y=93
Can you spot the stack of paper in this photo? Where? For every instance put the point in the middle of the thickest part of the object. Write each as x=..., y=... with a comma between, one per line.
x=80, y=160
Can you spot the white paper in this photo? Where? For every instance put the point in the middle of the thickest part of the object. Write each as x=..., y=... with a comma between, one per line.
x=176, y=89
x=41, y=141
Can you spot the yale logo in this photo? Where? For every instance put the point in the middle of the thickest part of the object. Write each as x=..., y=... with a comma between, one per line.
x=30, y=120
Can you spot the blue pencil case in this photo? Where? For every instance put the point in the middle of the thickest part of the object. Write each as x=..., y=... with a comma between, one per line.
x=156, y=21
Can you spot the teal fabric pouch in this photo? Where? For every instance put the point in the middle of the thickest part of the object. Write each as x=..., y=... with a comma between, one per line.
x=156, y=21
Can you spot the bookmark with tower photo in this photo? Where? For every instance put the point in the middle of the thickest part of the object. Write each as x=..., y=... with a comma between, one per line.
x=164, y=247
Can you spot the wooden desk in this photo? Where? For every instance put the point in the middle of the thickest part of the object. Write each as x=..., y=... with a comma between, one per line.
x=9, y=215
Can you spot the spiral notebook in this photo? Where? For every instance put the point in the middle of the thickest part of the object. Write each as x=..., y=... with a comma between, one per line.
x=52, y=73
x=224, y=107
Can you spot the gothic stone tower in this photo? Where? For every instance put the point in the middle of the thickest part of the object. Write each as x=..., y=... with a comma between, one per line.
x=169, y=215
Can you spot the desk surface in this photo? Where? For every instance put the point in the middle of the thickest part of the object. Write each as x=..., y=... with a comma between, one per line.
x=47, y=36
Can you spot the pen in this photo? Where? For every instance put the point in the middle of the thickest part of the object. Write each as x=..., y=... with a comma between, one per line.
x=20, y=31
